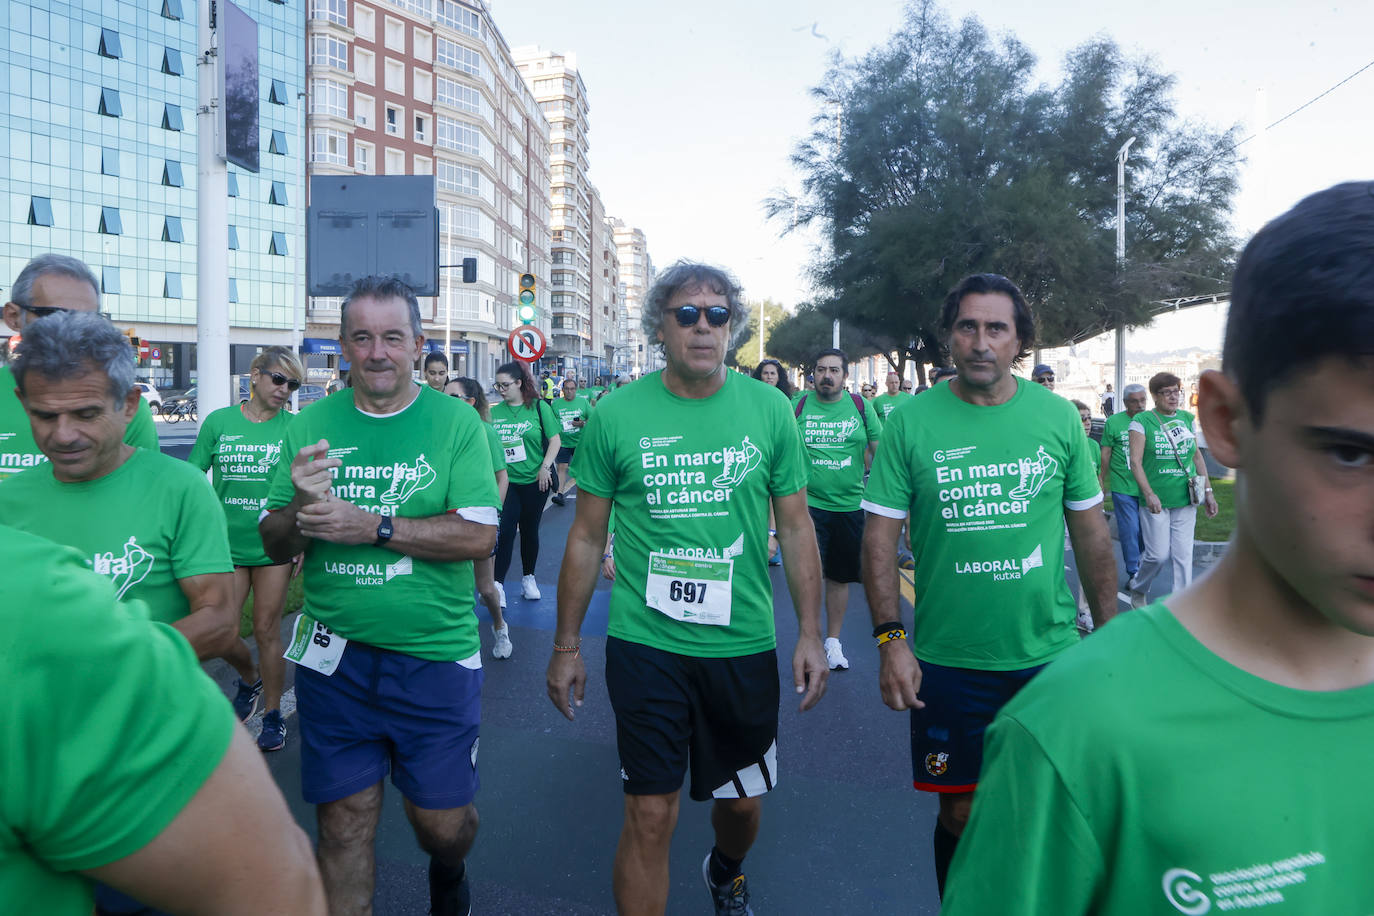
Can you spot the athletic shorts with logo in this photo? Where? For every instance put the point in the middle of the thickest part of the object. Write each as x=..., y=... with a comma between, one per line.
x=383, y=711
x=839, y=535
x=719, y=713
x=947, y=734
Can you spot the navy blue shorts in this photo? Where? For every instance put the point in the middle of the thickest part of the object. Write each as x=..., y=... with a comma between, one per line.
x=947, y=735
x=386, y=711
x=565, y=454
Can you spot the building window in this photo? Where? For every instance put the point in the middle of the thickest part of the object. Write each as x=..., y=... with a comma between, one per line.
x=109, y=44
x=364, y=110
x=171, y=9
x=452, y=54
x=171, y=62
x=395, y=76
x=459, y=18
x=233, y=290
x=395, y=34
x=328, y=98
x=395, y=162
x=278, y=194
x=395, y=121
x=109, y=280
x=109, y=161
x=40, y=211
x=171, y=117
x=277, y=95
x=422, y=129
x=171, y=173
x=278, y=244
x=455, y=219
x=423, y=166
x=329, y=146
x=110, y=223
x=455, y=95
x=460, y=178
x=278, y=143
x=423, y=83
x=365, y=23
x=362, y=157
x=171, y=229
x=171, y=285
x=233, y=238
x=328, y=51
x=233, y=184
x=456, y=135
x=109, y=103
x=424, y=46
x=365, y=66
x=330, y=10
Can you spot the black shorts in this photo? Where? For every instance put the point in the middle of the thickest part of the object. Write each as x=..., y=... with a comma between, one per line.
x=721, y=713
x=565, y=454
x=840, y=537
x=947, y=735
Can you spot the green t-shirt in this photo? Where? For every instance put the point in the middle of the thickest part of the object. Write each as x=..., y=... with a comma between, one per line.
x=240, y=456
x=1169, y=441
x=87, y=774
x=691, y=480
x=1141, y=775
x=524, y=431
x=17, y=448
x=836, y=437
x=884, y=404
x=148, y=523
x=429, y=458
x=1116, y=434
x=986, y=489
x=567, y=412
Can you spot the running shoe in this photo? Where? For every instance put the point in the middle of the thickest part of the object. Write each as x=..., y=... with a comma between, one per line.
x=273, y=735
x=731, y=898
x=529, y=588
x=775, y=559
x=906, y=561
x=246, y=699
x=446, y=896
x=502, y=649
x=1138, y=597
x=834, y=654
x=558, y=499
x=501, y=590
x=1084, y=621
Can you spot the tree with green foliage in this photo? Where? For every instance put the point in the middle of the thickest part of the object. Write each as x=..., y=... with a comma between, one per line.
x=746, y=354
x=935, y=156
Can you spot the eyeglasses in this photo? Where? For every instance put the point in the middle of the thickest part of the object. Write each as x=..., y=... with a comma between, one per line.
x=689, y=315
x=1170, y=392
x=1042, y=379
x=278, y=379
x=502, y=386
x=43, y=311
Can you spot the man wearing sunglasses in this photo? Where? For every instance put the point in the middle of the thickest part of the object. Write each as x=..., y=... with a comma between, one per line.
x=692, y=457
x=49, y=284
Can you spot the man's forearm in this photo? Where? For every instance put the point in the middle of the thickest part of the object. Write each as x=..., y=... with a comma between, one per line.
x=576, y=582
x=1092, y=550
x=443, y=538
x=880, y=573
x=210, y=630
x=801, y=560
x=281, y=540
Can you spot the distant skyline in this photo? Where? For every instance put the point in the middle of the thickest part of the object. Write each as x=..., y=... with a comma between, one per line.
x=695, y=109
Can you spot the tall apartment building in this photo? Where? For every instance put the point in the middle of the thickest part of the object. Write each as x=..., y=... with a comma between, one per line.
x=606, y=325
x=636, y=276
x=419, y=87
x=98, y=113
x=562, y=97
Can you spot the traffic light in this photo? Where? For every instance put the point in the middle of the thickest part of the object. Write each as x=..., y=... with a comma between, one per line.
x=525, y=310
x=132, y=334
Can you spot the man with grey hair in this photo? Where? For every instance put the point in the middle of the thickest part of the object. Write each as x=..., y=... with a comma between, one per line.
x=692, y=457
x=49, y=284
x=1116, y=477
x=390, y=496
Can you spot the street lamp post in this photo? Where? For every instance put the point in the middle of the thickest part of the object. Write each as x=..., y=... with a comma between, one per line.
x=1121, y=263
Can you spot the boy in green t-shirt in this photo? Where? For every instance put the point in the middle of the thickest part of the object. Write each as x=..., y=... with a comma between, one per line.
x=1213, y=752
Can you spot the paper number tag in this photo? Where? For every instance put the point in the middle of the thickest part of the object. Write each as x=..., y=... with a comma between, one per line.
x=315, y=646
x=689, y=589
x=568, y=420
x=515, y=453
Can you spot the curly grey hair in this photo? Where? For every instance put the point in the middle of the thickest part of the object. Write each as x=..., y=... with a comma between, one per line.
x=70, y=344
x=691, y=275
x=51, y=263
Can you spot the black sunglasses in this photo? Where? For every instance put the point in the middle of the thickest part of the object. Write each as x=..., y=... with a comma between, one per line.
x=689, y=315
x=291, y=383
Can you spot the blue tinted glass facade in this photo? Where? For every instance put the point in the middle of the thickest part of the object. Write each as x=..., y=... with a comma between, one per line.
x=56, y=145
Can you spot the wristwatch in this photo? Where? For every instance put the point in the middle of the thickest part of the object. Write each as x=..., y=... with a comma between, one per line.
x=384, y=532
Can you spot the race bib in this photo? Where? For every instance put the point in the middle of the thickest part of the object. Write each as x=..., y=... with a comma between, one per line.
x=568, y=420
x=315, y=646
x=515, y=453
x=692, y=590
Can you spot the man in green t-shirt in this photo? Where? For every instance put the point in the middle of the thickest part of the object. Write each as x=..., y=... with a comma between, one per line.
x=839, y=432
x=124, y=763
x=895, y=397
x=572, y=410
x=1115, y=476
x=988, y=468
x=1212, y=753
x=391, y=496
x=48, y=284
x=690, y=457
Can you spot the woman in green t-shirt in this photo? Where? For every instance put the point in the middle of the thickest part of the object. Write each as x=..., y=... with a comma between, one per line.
x=1164, y=456
x=483, y=570
x=529, y=432
x=240, y=445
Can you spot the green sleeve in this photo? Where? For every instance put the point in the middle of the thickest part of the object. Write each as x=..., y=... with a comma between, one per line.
x=498, y=453
x=471, y=480
x=81, y=743
x=1081, y=484
x=201, y=544
x=791, y=469
x=889, y=480
x=548, y=422
x=203, y=452
x=593, y=466
x=141, y=432
x=280, y=490
x=1027, y=848
x=873, y=423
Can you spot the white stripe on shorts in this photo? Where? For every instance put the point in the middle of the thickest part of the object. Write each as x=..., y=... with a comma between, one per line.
x=755, y=779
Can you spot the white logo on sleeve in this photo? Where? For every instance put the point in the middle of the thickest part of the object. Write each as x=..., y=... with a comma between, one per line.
x=1180, y=890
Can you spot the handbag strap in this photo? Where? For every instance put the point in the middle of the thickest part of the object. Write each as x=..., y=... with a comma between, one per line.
x=1177, y=457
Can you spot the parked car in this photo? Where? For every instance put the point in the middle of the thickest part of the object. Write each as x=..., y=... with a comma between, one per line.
x=151, y=395
x=183, y=406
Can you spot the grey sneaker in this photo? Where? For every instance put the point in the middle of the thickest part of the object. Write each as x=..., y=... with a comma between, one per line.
x=503, y=647
x=731, y=899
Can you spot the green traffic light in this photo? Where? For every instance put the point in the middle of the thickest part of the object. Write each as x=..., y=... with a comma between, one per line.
x=526, y=313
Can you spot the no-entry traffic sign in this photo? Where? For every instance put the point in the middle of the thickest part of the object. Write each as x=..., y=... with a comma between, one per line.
x=526, y=343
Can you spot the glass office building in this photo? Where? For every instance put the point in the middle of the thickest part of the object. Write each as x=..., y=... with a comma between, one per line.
x=98, y=160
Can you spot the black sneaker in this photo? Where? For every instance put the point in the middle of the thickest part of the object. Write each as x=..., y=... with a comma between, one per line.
x=273, y=735
x=246, y=699
x=559, y=499
x=731, y=898
x=446, y=896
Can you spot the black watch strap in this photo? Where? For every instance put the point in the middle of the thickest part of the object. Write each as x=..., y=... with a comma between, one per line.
x=384, y=531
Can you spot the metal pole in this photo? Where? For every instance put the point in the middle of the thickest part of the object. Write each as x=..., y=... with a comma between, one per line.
x=760, y=330
x=212, y=227
x=1121, y=262
x=835, y=334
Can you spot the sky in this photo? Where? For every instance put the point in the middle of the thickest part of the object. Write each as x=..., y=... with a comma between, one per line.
x=696, y=108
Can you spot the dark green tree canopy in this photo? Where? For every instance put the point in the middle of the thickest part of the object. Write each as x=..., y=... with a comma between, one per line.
x=934, y=156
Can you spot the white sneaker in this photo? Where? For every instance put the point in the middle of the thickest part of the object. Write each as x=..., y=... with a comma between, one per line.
x=503, y=647
x=834, y=655
x=1138, y=597
x=1084, y=621
x=501, y=590
x=529, y=588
